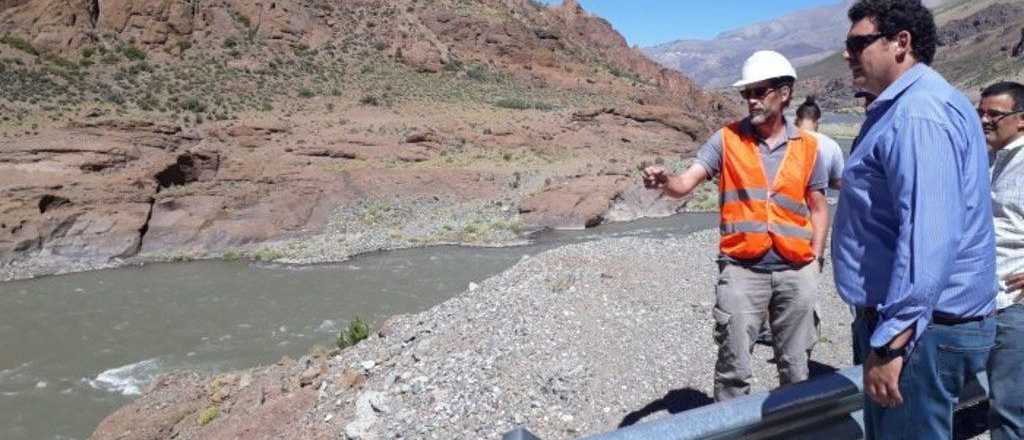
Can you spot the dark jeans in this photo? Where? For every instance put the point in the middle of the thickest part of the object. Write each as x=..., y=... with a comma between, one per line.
x=1006, y=375
x=931, y=381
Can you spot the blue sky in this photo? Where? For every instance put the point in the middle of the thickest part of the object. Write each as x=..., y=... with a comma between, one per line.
x=650, y=22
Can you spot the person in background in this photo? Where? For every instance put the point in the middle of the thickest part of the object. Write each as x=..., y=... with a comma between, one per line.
x=773, y=218
x=1001, y=111
x=807, y=116
x=913, y=242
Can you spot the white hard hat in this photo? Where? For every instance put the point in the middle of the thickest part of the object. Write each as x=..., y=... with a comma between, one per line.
x=765, y=64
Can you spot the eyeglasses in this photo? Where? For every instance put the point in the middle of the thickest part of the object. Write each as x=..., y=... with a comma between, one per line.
x=758, y=92
x=855, y=44
x=994, y=116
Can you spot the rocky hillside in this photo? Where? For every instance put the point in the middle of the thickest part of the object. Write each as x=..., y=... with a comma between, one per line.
x=981, y=42
x=141, y=130
x=805, y=37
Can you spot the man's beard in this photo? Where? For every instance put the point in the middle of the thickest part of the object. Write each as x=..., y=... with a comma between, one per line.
x=759, y=117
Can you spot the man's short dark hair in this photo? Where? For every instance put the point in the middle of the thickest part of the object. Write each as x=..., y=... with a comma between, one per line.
x=1012, y=89
x=894, y=16
x=809, y=110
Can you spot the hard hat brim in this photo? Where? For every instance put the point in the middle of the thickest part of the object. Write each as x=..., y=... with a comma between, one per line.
x=746, y=82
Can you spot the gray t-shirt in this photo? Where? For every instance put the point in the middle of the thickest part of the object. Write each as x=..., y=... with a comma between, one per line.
x=832, y=155
x=710, y=157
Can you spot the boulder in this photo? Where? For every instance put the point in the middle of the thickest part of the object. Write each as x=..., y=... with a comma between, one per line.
x=576, y=204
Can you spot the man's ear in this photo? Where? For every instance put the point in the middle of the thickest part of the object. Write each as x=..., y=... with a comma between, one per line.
x=904, y=45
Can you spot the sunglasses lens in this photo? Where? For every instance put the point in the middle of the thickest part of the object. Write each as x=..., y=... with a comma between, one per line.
x=757, y=93
x=856, y=44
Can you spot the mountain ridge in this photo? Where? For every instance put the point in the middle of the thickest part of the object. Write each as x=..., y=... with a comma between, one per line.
x=805, y=37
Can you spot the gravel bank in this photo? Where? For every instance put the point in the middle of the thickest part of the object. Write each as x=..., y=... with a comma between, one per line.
x=574, y=341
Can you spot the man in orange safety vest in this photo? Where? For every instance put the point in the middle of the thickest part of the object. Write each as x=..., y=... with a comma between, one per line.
x=774, y=217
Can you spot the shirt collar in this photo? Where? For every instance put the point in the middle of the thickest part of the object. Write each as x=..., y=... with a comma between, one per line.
x=1014, y=145
x=902, y=83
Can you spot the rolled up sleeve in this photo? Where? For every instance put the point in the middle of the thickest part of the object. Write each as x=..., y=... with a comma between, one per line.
x=924, y=180
x=709, y=155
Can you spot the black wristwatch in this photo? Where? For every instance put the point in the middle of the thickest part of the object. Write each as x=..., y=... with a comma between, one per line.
x=887, y=352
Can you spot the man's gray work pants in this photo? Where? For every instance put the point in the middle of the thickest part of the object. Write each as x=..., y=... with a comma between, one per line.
x=744, y=299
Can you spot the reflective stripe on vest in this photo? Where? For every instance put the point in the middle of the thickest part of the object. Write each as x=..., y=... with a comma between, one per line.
x=757, y=216
x=750, y=227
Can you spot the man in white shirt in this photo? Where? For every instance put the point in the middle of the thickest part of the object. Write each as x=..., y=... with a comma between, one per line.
x=807, y=116
x=1002, y=117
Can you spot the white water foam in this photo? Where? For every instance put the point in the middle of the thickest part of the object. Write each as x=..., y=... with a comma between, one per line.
x=128, y=379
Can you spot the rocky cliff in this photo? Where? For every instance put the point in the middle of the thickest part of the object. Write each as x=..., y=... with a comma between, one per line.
x=138, y=130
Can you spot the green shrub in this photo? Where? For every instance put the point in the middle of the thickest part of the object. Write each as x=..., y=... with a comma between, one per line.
x=60, y=62
x=133, y=53
x=357, y=331
x=522, y=104
x=193, y=105
x=208, y=415
x=88, y=52
x=18, y=43
x=371, y=100
x=230, y=43
x=306, y=93
x=477, y=72
x=184, y=45
x=138, y=68
x=453, y=65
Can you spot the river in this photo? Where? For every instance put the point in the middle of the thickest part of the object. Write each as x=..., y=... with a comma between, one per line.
x=75, y=347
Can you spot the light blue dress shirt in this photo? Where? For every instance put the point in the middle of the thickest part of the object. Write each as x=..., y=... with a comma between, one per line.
x=913, y=231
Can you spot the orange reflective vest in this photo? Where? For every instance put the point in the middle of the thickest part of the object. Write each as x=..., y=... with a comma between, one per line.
x=755, y=216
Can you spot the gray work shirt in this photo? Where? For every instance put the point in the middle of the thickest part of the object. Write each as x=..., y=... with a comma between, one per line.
x=832, y=156
x=710, y=157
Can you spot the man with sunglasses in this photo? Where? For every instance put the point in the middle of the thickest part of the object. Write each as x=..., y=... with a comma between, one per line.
x=913, y=243
x=1001, y=111
x=773, y=221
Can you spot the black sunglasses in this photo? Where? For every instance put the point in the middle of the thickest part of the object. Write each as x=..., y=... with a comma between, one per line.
x=994, y=116
x=758, y=93
x=856, y=44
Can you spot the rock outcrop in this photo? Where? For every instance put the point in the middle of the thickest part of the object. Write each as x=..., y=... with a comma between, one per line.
x=167, y=130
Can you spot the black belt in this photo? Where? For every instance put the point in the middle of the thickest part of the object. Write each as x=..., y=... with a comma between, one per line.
x=940, y=318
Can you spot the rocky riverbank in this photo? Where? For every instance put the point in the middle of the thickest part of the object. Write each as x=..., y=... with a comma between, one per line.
x=577, y=340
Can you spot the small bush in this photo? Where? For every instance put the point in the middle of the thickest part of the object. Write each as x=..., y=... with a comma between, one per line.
x=357, y=331
x=477, y=72
x=522, y=104
x=193, y=105
x=133, y=53
x=230, y=43
x=88, y=52
x=184, y=45
x=18, y=43
x=371, y=100
x=306, y=93
x=208, y=415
